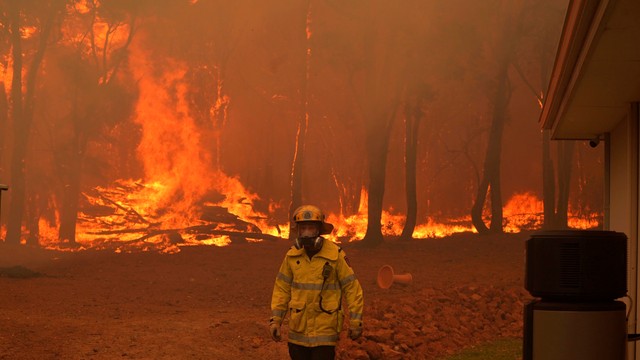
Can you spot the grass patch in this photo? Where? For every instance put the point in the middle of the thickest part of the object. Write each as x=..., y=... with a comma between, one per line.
x=503, y=349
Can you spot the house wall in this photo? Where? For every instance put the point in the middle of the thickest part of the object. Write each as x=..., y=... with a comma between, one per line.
x=623, y=189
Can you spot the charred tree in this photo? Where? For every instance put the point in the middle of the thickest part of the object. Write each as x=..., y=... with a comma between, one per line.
x=414, y=113
x=490, y=182
x=491, y=178
x=4, y=120
x=16, y=204
x=548, y=183
x=541, y=28
x=412, y=124
x=96, y=98
x=71, y=190
x=208, y=62
x=5, y=45
x=303, y=123
x=23, y=109
x=377, y=147
x=384, y=73
x=565, y=164
x=33, y=220
x=384, y=76
x=556, y=208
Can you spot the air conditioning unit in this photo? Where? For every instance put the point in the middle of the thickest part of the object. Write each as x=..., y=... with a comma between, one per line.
x=577, y=275
x=576, y=265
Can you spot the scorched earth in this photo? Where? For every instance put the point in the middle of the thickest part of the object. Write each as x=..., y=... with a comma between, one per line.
x=211, y=302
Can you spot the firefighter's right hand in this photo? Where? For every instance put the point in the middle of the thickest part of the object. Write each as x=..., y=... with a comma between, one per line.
x=274, y=331
x=355, y=333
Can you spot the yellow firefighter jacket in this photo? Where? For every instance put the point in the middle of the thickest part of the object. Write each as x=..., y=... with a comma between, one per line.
x=299, y=287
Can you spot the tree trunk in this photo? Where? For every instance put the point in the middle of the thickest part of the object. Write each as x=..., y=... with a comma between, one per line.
x=220, y=109
x=491, y=180
x=303, y=123
x=491, y=174
x=385, y=78
x=33, y=220
x=4, y=119
x=71, y=194
x=565, y=161
x=413, y=116
x=296, y=171
x=377, y=146
x=73, y=172
x=20, y=129
x=22, y=117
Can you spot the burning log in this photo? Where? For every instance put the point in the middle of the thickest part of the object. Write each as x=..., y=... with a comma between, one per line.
x=221, y=215
x=123, y=217
x=128, y=211
x=209, y=229
x=234, y=234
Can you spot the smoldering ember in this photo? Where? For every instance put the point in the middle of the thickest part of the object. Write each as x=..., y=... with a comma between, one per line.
x=152, y=153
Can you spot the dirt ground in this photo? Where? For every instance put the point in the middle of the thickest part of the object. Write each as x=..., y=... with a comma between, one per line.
x=213, y=302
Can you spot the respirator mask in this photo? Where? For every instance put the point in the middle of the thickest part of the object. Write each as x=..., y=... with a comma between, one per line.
x=309, y=235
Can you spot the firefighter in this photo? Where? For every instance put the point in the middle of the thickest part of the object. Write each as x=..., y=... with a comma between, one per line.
x=314, y=278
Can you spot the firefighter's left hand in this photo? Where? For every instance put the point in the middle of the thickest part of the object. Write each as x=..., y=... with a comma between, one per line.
x=355, y=333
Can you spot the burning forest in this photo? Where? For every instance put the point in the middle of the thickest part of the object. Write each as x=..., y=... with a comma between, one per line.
x=152, y=153
x=153, y=125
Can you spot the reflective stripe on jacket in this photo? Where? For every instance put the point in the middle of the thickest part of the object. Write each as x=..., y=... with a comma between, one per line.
x=297, y=291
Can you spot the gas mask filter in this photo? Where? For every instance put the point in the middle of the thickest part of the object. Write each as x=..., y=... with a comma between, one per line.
x=309, y=243
x=308, y=235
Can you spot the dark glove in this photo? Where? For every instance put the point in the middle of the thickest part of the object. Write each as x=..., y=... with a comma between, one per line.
x=274, y=331
x=355, y=332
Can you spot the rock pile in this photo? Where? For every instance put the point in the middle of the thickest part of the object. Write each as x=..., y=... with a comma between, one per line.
x=430, y=323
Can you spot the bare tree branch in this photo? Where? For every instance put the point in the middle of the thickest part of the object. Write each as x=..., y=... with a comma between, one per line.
x=527, y=82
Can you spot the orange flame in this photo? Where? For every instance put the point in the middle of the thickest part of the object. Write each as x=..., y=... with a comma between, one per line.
x=522, y=212
x=180, y=201
x=183, y=200
x=81, y=6
x=354, y=227
x=27, y=32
